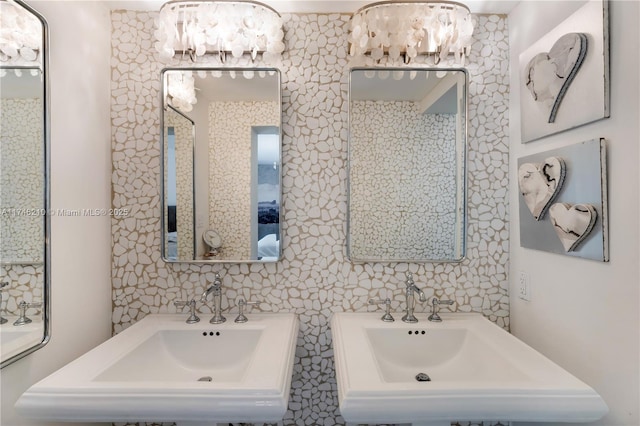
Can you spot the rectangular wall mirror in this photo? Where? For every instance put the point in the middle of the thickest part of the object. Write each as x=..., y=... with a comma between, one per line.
x=407, y=165
x=221, y=165
x=24, y=184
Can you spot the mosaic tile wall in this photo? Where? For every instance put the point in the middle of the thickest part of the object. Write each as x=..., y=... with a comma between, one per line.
x=230, y=148
x=421, y=148
x=21, y=180
x=25, y=284
x=21, y=188
x=314, y=277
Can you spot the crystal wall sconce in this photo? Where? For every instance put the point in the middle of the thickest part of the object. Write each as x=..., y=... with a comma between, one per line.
x=404, y=30
x=198, y=27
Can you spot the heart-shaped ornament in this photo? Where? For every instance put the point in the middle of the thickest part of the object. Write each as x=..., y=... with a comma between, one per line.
x=572, y=223
x=549, y=75
x=540, y=183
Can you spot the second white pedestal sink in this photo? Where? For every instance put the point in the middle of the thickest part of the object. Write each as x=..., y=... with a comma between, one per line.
x=463, y=369
x=164, y=370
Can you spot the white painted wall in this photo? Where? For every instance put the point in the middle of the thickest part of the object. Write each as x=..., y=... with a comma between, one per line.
x=584, y=314
x=81, y=176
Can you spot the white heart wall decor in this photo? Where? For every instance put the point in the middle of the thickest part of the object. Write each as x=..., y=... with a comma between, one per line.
x=549, y=75
x=572, y=223
x=540, y=183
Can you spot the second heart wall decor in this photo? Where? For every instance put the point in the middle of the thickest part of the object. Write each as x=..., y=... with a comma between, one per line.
x=572, y=223
x=570, y=185
x=564, y=76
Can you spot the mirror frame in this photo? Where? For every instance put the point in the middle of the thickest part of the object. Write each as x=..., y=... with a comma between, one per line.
x=46, y=290
x=465, y=178
x=163, y=216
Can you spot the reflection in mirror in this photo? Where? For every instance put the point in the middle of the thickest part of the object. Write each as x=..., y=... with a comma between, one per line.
x=221, y=165
x=407, y=153
x=24, y=289
x=178, y=161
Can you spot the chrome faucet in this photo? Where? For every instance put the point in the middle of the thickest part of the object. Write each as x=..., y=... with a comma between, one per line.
x=2, y=285
x=216, y=289
x=411, y=289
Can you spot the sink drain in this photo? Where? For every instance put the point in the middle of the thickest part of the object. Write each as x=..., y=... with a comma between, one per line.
x=205, y=379
x=423, y=377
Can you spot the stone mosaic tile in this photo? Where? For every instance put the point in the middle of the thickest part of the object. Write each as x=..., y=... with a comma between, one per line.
x=25, y=284
x=314, y=279
x=21, y=180
x=21, y=187
x=404, y=198
x=230, y=169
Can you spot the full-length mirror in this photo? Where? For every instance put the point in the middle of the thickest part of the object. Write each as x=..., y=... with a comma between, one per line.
x=221, y=165
x=24, y=204
x=407, y=174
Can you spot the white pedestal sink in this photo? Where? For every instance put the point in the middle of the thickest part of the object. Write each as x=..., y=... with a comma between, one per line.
x=164, y=370
x=463, y=369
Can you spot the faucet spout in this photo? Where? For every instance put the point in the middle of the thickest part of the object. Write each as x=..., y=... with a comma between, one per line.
x=216, y=289
x=409, y=317
x=413, y=288
x=213, y=288
x=206, y=294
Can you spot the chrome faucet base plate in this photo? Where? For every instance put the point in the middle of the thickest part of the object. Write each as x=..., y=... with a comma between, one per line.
x=387, y=318
x=409, y=319
x=434, y=318
x=22, y=321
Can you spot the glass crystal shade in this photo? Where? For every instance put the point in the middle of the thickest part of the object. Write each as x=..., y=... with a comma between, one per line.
x=20, y=36
x=181, y=91
x=196, y=27
x=404, y=30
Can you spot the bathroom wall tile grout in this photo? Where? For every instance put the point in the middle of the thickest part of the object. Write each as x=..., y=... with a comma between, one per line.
x=21, y=184
x=314, y=278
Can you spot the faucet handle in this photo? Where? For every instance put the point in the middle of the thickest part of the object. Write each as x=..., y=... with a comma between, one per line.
x=193, y=318
x=22, y=319
x=435, y=303
x=242, y=302
x=387, y=317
